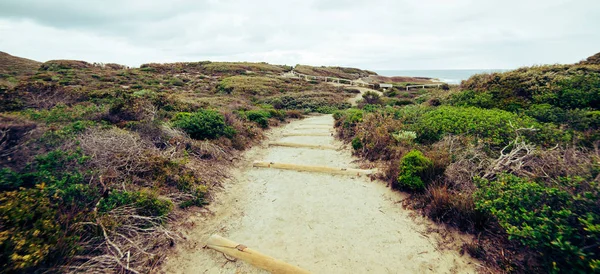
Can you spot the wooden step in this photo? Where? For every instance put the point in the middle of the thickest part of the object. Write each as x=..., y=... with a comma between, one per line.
x=306, y=134
x=314, y=127
x=251, y=256
x=298, y=145
x=317, y=124
x=321, y=169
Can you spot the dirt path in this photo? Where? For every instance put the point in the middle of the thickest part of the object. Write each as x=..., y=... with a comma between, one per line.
x=323, y=223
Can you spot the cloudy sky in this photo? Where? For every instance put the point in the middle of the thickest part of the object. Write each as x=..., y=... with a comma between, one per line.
x=372, y=34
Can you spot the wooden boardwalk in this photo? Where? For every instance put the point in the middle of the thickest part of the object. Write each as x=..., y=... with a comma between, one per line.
x=357, y=83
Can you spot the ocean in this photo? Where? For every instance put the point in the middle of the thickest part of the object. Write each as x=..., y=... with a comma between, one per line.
x=450, y=76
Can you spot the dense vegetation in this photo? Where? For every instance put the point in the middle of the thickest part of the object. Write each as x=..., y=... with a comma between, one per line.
x=338, y=72
x=97, y=159
x=511, y=157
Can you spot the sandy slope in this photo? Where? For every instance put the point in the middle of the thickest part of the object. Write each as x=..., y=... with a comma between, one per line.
x=323, y=223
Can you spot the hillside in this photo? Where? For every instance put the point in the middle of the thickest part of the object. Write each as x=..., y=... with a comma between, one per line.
x=592, y=60
x=338, y=72
x=98, y=160
x=101, y=156
x=12, y=65
x=510, y=157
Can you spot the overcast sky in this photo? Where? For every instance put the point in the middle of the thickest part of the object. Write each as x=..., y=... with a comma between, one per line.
x=371, y=34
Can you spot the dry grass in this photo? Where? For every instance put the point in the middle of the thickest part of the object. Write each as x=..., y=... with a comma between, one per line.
x=116, y=153
x=338, y=72
x=128, y=243
x=16, y=65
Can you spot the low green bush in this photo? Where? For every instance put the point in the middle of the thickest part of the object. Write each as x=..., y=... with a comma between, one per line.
x=561, y=222
x=261, y=117
x=63, y=113
x=36, y=208
x=413, y=170
x=203, y=124
x=357, y=143
x=350, y=117
x=147, y=204
x=372, y=98
x=496, y=127
x=326, y=109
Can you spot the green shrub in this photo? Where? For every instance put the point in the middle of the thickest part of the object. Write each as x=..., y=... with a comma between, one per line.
x=261, y=117
x=371, y=108
x=35, y=218
x=326, y=109
x=30, y=234
x=563, y=86
x=147, y=204
x=279, y=114
x=413, y=170
x=63, y=113
x=399, y=102
x=351, y=117
x=203, y=124
x=357, y=143
x=493, y=126
x=252, y=85
x=561, y=222
x=372, y=98
x=198, y=198
x=9, y=180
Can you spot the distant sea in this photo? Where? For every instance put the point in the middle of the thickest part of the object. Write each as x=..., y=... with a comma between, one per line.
x=450, y=76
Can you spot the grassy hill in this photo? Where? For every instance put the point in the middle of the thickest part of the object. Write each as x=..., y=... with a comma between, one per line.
x=96, y=159
x=339, y=72
x=510, y=157
x=12, y=65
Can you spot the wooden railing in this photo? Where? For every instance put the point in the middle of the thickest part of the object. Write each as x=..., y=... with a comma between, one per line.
x=331, y=80
x=423, y=86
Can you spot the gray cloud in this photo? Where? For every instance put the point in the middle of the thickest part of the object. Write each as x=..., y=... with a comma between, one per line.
x=376, y=34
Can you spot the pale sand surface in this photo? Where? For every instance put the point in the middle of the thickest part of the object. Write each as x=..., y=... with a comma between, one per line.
x=323, y=223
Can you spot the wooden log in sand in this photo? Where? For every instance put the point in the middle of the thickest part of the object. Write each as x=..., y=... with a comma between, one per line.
x=297, y=145
x=251, y=256
x=322, y=169
x=316, y=124
x=306, y=134
x=314, y=127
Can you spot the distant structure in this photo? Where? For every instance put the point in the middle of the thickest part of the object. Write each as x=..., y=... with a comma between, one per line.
x=385, y=87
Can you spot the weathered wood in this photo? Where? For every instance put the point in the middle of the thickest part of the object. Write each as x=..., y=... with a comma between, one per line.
x=320, y=127
x=321, y=169
x=251, y=256
x=424, y=86
x=306, y=134
x=316, y=124
x=298, y=145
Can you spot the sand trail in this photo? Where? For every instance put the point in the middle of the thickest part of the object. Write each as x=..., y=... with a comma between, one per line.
x=320, y=222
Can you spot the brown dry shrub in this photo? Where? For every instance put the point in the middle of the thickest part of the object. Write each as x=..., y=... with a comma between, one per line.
x=246, y=133
x=457, y=208
x=375, y=133
x=294, y=114
x=42, y=95
x=177, y=143
x=127, y=242
x=560, y=162
x=116, y=153
x=391, y=167
x=15, y=134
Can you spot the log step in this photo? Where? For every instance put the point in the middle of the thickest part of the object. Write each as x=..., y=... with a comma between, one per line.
x=251, y=256
x=297, y=145
x=321, y=169
x=315, y=127
x=306, y=134
x=317, y=124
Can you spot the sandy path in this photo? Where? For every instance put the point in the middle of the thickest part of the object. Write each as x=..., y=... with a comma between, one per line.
x=320, y=222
